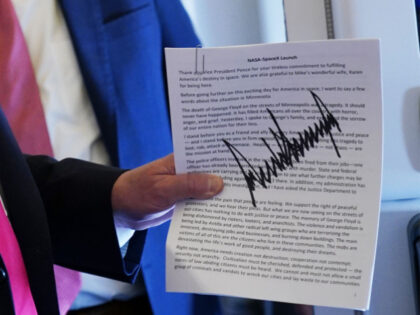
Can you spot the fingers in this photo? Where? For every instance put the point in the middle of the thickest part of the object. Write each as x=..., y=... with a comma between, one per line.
x=155, y=186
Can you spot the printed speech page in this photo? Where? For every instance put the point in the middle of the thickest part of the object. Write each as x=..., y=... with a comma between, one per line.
x=295, y=130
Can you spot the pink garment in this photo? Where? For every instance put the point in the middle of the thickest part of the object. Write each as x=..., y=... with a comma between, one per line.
x=19, y=95
x=21, y=103
x=12, y=257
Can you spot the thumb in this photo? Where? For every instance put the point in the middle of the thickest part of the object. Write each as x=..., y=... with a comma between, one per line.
x=193, y=185
x=154, y=187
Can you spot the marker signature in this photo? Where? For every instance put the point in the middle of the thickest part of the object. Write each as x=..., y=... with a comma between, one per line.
x=289, y=151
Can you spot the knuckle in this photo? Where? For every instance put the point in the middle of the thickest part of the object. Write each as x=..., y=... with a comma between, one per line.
x=191, y=184
x=160, y=200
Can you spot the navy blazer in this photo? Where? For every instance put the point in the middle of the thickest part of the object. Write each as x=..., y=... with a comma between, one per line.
x=119, y=45
x=61, y=214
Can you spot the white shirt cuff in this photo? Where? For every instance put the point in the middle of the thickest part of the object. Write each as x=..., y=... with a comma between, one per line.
x=125, y=227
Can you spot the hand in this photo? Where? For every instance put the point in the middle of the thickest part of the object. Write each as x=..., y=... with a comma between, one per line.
x=154, y=187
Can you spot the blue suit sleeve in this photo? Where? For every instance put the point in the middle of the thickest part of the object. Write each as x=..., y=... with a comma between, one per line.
x=176, y=26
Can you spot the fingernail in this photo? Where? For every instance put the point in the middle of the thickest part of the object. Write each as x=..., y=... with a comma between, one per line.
x=214, y=185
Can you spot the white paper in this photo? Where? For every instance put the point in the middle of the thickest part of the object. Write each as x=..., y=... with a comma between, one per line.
x=307, y=233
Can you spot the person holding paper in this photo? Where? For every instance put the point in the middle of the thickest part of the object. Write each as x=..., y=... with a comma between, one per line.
x=63, y=212
x=115, y=80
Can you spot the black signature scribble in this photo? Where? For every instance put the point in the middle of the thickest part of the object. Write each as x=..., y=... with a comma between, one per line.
x=289, y=151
